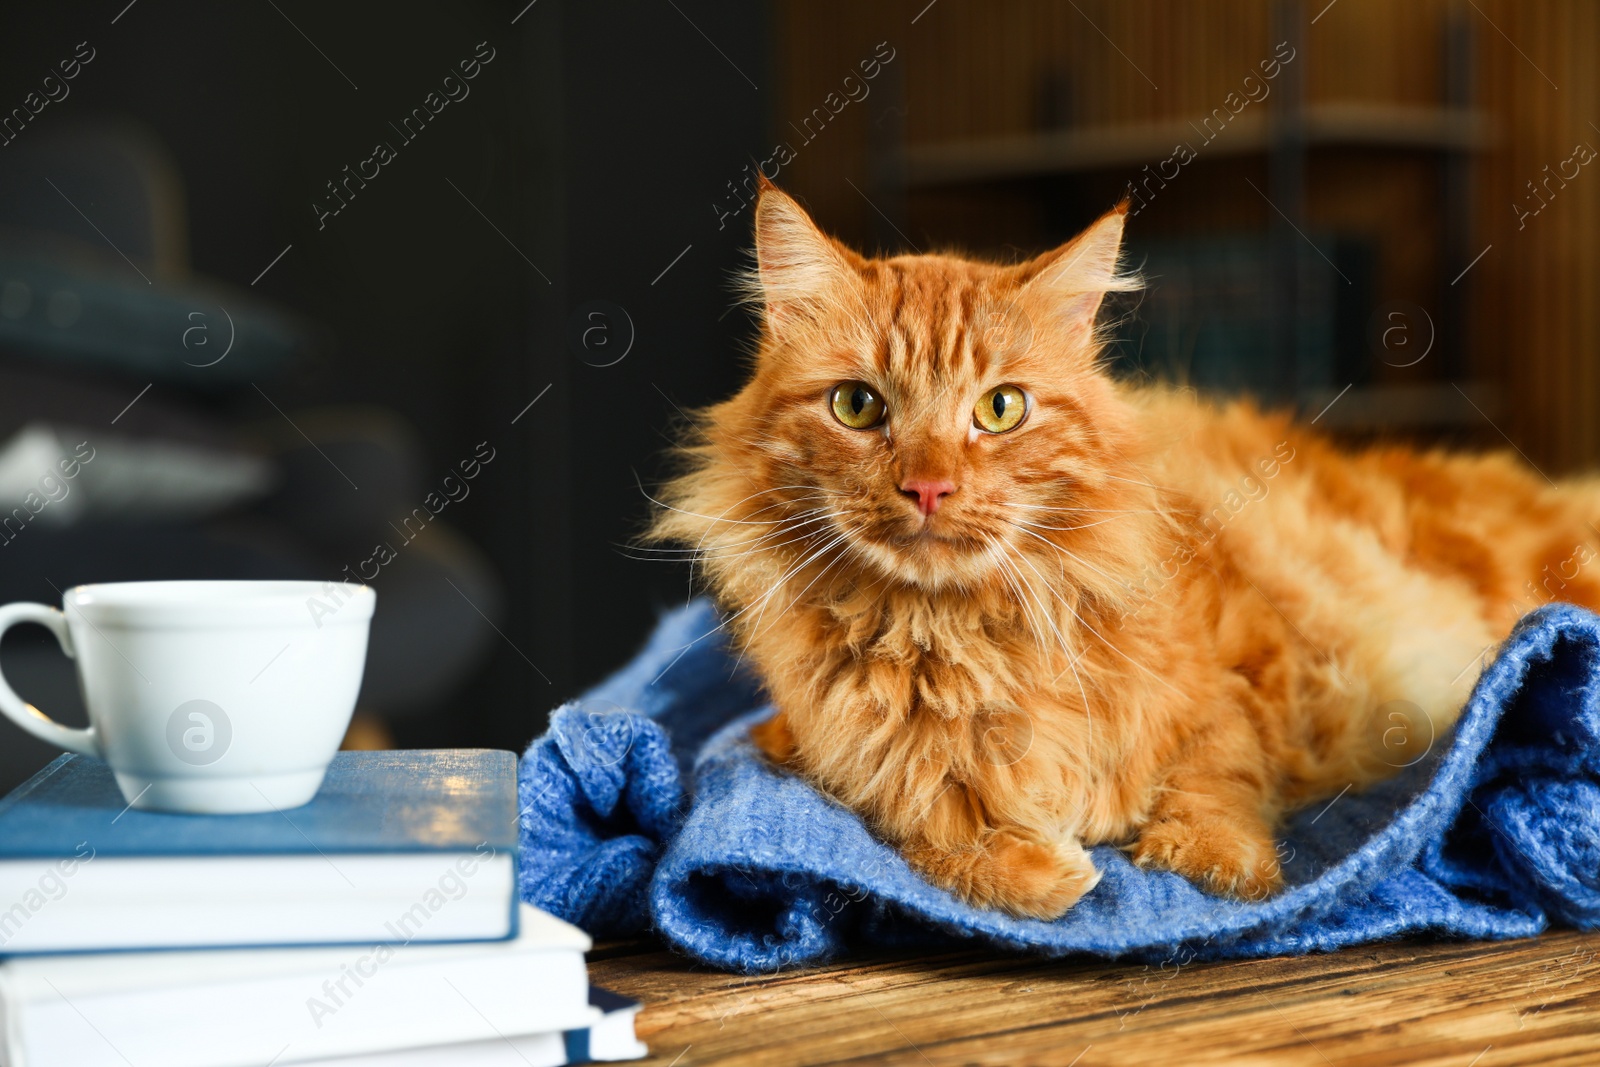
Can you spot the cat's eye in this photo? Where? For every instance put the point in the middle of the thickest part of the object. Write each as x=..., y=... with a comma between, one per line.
x=1000, y=409
x=857, y=406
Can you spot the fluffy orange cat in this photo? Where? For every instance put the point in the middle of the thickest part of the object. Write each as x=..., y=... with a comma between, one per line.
x=1008, y=607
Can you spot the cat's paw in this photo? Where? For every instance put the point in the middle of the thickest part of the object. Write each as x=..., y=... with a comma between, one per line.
x=1029, y=879
x=1219, y=855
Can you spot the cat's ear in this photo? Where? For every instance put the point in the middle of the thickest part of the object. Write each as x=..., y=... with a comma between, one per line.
x=799, y=269
x=1073, y=280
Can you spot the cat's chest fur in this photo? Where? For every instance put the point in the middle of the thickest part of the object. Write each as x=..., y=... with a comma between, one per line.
x=947, y=657
x=908, y=695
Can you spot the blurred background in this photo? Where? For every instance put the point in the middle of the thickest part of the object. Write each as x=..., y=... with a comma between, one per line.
x=415, y=293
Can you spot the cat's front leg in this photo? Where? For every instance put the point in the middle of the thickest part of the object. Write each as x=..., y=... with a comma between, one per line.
x=1209, y=823
x=1029, y=871
x=938, y=826
x=1002, y=869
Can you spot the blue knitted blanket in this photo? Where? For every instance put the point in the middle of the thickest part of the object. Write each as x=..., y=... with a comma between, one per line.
x=645, y=806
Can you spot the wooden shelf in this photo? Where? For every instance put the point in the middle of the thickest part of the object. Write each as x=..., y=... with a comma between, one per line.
x=1249, y=133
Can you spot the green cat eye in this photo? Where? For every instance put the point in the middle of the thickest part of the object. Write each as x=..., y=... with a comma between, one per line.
x=857, y=406
x=1000, y=409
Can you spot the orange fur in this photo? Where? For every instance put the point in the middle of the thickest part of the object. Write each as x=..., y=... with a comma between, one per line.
x=1138, y=617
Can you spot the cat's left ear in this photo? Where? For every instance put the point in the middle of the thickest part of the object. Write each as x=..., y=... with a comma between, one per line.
x=1074, y=279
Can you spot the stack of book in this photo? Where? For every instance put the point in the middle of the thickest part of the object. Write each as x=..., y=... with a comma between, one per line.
x=379, y=924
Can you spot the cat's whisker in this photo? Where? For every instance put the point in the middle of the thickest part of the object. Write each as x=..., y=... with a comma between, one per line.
x=1032, y=600
x=795, y=569
x=720, y=556
x=1082, y=622
x=724, y=623
x=722, y=517
x=1069, y=529
x=1147, y=485
x=697, y=550
x=1023, y=527
x=1102, y=511
x=1088, y=708
x=708, y=518
x=1049, y=617
x=778, y=504
x=730, y=507
x=773, y=547
x=727, y=621
x=698, y=553
x=1072, y=664
x=996, y=553
x=796, y=598
x=778, y=521
x=1023, y=605
x=766, y=598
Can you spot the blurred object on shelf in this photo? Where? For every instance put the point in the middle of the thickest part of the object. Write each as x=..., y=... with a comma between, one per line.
x=367, y=733
x=72, y=298
x=124, y=384
x=1203, y=319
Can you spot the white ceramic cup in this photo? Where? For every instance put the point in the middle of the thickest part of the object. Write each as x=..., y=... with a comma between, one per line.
x=207, y=697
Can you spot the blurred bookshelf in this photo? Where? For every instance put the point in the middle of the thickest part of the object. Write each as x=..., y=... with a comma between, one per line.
x=1399, y=126
x=1282, y=312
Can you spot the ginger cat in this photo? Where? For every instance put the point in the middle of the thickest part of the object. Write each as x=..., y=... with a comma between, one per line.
x=1008, y=607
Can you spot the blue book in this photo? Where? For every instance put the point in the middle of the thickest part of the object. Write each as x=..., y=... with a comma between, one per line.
x=397, y=847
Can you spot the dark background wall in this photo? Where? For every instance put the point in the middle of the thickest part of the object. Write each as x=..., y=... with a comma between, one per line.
x=594, y=142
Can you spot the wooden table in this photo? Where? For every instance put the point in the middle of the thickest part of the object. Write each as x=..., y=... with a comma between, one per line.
x=1463, y=1004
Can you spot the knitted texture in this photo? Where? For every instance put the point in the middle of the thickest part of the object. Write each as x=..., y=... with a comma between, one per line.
x=1494, y=833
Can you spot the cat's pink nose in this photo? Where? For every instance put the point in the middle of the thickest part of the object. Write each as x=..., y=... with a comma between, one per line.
x=926, y=493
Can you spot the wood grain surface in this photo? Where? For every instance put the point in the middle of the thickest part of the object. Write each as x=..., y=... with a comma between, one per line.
x=1463, y=1004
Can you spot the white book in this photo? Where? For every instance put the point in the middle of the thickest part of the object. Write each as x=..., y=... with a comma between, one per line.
x=607, y=1041
x=234, y=901
x=251, y=1007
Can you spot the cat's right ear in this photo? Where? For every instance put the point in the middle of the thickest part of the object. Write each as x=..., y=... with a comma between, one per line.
x=799, y=269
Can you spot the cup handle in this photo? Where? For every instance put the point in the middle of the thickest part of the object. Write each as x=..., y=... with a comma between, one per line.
x=20, y=711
